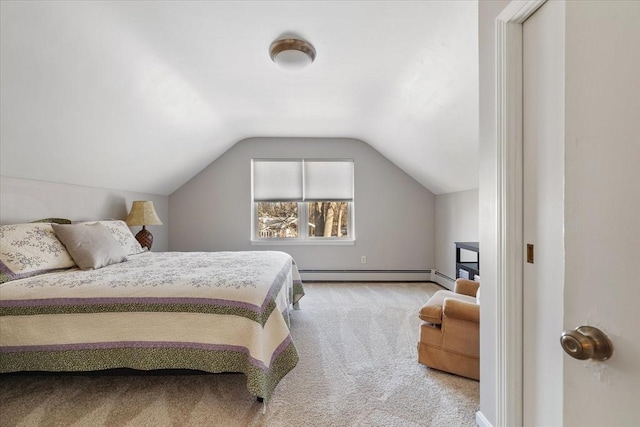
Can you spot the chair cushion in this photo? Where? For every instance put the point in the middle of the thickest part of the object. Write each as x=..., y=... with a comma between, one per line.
x=466, y=287
x=432, y=311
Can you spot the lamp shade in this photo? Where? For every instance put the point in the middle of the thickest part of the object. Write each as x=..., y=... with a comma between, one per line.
x=143, y=213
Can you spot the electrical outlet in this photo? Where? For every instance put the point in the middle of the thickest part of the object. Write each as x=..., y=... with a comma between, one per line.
x=363, y=259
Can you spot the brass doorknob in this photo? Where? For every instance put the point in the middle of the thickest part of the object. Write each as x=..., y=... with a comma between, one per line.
x=586, y=342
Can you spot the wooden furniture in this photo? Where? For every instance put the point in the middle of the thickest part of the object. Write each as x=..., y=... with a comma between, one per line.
x=471, y=267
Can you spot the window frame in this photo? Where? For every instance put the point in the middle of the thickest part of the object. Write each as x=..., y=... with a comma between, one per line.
x=303, y=232
x=303, y=218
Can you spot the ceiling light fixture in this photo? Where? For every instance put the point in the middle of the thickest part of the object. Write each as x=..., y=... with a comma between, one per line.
x=292, y=54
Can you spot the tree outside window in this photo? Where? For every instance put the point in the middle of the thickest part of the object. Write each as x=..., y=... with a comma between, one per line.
x=280, y=219
x=328, y=219
x=277, y=219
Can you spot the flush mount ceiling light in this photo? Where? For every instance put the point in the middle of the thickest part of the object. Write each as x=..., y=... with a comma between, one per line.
x=292, y=54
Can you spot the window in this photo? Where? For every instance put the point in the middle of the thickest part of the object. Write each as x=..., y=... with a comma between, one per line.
x=277, y=219
x=328, y=219
x=302, y=201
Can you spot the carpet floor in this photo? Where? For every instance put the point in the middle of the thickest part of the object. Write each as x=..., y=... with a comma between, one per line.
x=358, y=367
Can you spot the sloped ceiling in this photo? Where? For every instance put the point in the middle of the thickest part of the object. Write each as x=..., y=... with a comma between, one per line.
x=141, y=96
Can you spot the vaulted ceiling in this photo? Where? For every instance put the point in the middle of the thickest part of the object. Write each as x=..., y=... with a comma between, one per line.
x=143, y=95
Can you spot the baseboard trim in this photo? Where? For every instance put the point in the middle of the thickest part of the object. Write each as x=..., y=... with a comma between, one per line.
x=366, y=275
x=481, y=420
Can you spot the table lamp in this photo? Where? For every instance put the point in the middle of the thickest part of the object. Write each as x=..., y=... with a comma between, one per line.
x=143, y=213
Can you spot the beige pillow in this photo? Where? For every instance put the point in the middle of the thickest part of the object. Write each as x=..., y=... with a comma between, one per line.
x=91, y=246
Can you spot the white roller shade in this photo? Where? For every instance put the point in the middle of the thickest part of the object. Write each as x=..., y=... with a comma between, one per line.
x=277, y=180
x=328, y=180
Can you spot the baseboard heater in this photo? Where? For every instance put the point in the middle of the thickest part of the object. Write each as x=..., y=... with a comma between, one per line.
x=444, y=276
x=443, y=280
x=311, y=275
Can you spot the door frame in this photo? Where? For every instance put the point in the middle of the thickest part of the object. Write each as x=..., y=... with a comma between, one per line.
x=509, y=210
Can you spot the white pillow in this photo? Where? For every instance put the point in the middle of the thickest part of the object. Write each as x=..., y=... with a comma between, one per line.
x=30, y=249
x=478, y=297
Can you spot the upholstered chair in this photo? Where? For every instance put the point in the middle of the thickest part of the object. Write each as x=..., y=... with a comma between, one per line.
x=450, y=331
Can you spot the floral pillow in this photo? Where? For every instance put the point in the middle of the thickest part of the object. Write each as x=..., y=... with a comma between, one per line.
x=122, y=234
x=30, y=249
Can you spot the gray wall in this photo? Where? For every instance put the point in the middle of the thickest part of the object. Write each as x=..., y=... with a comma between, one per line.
x=456, y=221
x=24, y=200
x=394, y=214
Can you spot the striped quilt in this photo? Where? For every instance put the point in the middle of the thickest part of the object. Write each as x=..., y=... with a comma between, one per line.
x=209, y=311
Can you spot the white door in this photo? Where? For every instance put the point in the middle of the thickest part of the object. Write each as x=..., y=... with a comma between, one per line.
x=593, y=141
x=543, y=213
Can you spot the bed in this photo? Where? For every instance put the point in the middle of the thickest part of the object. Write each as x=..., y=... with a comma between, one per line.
x=209, y=311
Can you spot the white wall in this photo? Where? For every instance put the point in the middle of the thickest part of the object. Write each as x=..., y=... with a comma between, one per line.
x=487, y=13
x=25, y=200
x=394, y=214
x=456, y=221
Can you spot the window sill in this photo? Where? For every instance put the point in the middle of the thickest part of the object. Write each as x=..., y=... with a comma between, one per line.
x=303, y=242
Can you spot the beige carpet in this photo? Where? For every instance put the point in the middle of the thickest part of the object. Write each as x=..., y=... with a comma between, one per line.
x=358, y=367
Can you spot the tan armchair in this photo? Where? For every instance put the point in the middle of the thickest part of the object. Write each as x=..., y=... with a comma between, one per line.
x=450, y=332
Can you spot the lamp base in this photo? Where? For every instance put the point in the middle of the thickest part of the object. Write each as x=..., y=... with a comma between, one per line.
x=145, y=238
